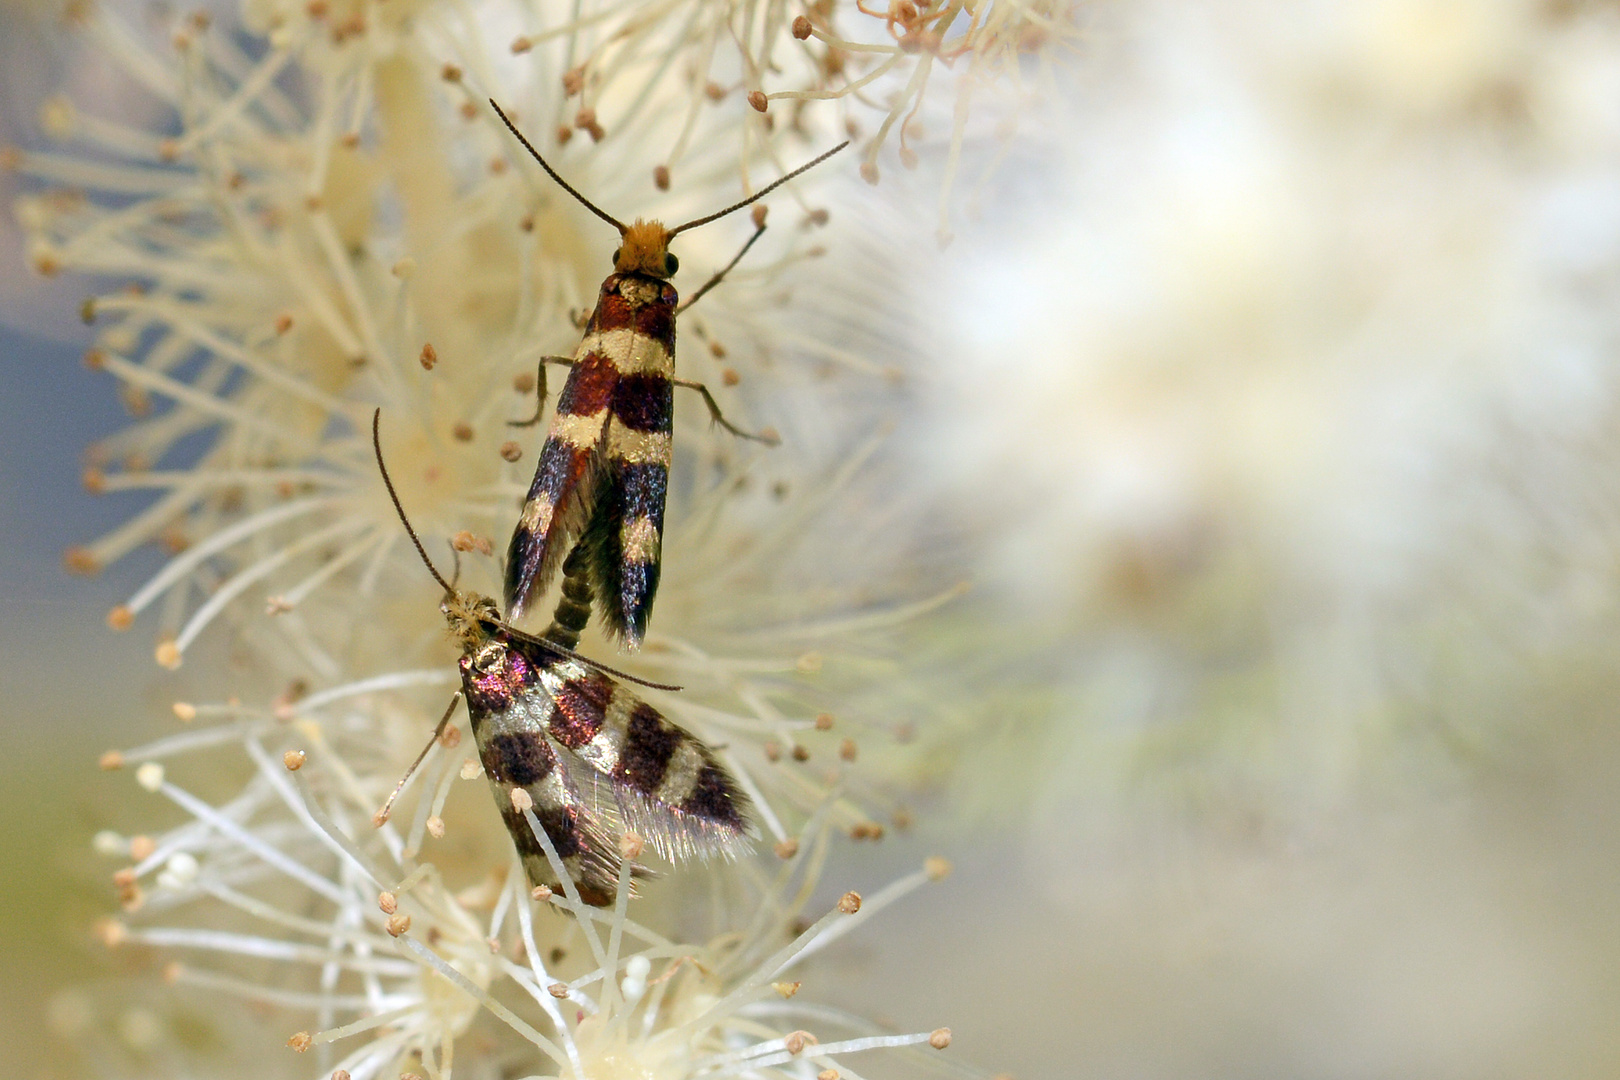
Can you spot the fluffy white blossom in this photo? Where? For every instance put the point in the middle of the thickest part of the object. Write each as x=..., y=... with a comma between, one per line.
x=328, y=218
x=285, y=897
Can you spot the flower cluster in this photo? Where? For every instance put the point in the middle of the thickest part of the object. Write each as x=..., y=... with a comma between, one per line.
x=396, y=961
x=334, y=220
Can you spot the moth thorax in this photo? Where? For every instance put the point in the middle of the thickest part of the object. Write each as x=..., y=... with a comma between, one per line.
x=639, y=292
x=491, y=655
x=644, y=249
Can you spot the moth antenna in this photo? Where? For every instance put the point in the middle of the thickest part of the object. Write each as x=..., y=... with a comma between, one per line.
x=563, y=650
x=755, y=197
x=381, y=817
x=617, y=674
x=455, y=571
x=566, y=186
x=376, y=444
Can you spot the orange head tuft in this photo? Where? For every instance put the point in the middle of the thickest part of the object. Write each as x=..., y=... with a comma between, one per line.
x=645, y=250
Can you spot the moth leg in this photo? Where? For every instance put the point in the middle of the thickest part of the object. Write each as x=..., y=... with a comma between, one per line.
x=724, y=270
x=381, y=816
x=769, y=438
x=540, y=389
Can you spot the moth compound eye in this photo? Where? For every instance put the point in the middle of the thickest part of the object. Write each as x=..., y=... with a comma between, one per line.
x=671, y=263
x=616, y=256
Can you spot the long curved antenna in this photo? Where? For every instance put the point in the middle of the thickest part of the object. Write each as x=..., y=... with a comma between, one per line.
x=376, y=444
x=563, y=650
x=566, y=186
x=760, y=194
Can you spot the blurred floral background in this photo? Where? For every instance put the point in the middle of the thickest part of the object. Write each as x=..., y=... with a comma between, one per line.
x=1196, y=499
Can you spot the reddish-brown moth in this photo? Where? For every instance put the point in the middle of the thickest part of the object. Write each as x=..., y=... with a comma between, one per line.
x=603, y=472
x=562, y=739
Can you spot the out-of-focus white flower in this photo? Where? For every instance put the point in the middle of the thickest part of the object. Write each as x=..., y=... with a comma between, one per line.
x=1317, y=323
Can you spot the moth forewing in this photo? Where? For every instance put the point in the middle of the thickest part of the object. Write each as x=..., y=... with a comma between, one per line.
x=595, y=761
x=657, y=778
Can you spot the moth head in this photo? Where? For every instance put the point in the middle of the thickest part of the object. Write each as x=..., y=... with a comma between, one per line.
x=644, y=249
x=469, y=617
